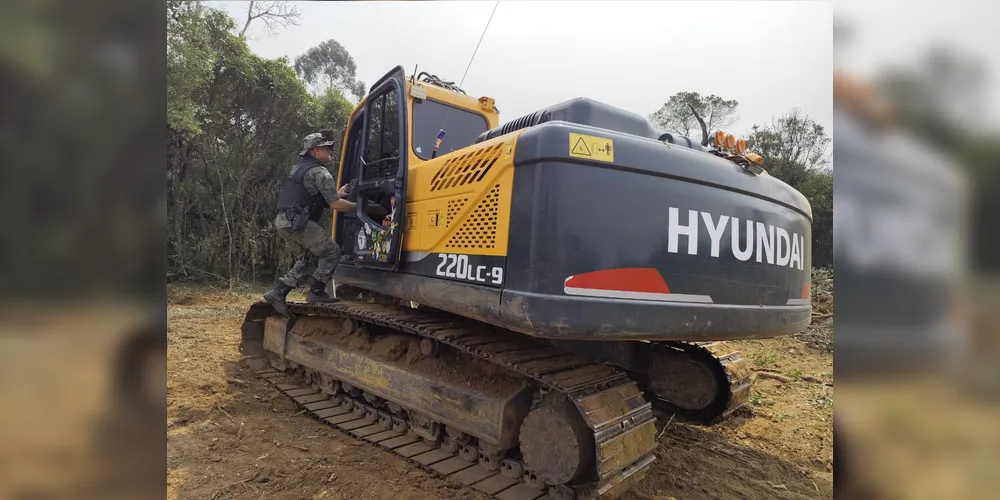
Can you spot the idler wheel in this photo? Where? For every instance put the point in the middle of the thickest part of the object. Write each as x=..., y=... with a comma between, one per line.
x=687, y=383
x=556, y=443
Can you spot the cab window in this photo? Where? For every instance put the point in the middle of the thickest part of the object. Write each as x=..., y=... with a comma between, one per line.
x=461, y=128
x=383, y=137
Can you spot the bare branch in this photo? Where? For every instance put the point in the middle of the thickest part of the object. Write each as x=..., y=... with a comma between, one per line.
x=274, y=14
x=250, y=18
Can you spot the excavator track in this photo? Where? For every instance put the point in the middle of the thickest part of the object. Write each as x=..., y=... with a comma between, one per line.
x=617, y=440
x=699, y=382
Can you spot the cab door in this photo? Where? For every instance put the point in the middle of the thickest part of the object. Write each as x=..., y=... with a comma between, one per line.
x=381, y=175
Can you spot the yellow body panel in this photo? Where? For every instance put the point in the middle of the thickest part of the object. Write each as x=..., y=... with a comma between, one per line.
x=459, y=202
x=455, y=99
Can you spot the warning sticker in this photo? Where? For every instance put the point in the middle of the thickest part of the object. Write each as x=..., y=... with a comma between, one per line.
x=591, y=147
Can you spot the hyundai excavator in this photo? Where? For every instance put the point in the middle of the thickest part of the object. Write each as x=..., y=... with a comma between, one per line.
x=515, y=300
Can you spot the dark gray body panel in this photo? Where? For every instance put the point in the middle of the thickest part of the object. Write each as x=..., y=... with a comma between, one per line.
x=602, y=250
x=582, y=111
x=573, y=216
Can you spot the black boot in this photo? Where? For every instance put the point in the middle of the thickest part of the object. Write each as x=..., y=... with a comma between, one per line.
x=317, y=293
x=276, y=297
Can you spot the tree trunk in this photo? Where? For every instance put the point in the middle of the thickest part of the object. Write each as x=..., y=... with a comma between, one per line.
x=704, y=129
x=229, y=229
x=179, y=212
x=246, y=25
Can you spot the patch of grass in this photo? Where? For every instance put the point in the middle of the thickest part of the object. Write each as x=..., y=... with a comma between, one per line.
x=190, y=293
x=756, y=400
x=206, y=312
x=823, y=399
x=765, y=357
x=796, y=374
x=819, y=335
x=191, y=313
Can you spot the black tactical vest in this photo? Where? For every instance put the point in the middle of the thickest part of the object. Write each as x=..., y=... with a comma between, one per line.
x=295, y=196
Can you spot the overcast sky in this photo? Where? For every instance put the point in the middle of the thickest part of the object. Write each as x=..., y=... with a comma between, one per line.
x=769, y=56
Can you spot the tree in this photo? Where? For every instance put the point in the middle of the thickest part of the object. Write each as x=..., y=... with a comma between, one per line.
x=274, y=14
x=333, y=110
x=235, y=122
x=190, y=58
x=329, y=66
x=792, y=146
x=687, y=111
x=818, y=189
x=358, y=89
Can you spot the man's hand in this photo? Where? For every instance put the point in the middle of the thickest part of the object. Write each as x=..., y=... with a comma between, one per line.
x=345, y=191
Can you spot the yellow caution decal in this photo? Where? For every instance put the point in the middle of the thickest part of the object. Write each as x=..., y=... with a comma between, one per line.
x=591, y=147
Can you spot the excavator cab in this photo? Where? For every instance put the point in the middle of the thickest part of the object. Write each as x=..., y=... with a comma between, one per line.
x=396, y=126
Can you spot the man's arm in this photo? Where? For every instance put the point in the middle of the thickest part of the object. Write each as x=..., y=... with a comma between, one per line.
x=323, y=182
x=343, y=205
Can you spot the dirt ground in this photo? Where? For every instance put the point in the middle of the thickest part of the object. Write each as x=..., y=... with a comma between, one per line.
x=231, y=436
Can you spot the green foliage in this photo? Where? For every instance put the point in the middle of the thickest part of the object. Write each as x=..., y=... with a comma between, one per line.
x=818, y=189
x=194, y=43
x=235, y=122
x=764, y=358
x=758, y=401
x=690, y=112
x=333, y=108
x=329, y=66
x=824, y=399
x=794, y=148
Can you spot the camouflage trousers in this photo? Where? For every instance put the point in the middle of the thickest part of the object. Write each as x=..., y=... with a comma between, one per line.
x=316, y=254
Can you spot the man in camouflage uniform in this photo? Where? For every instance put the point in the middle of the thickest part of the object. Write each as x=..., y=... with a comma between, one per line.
x=307, y=191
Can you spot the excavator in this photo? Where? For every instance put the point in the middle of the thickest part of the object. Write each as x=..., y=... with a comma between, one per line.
x=516, y=300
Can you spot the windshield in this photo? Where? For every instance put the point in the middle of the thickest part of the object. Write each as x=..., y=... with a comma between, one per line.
x=461, y=129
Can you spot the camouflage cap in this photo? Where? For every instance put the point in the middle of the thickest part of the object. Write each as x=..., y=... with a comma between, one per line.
x=313, y=140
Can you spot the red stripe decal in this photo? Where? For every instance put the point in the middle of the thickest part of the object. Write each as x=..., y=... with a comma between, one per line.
x=626, y=280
